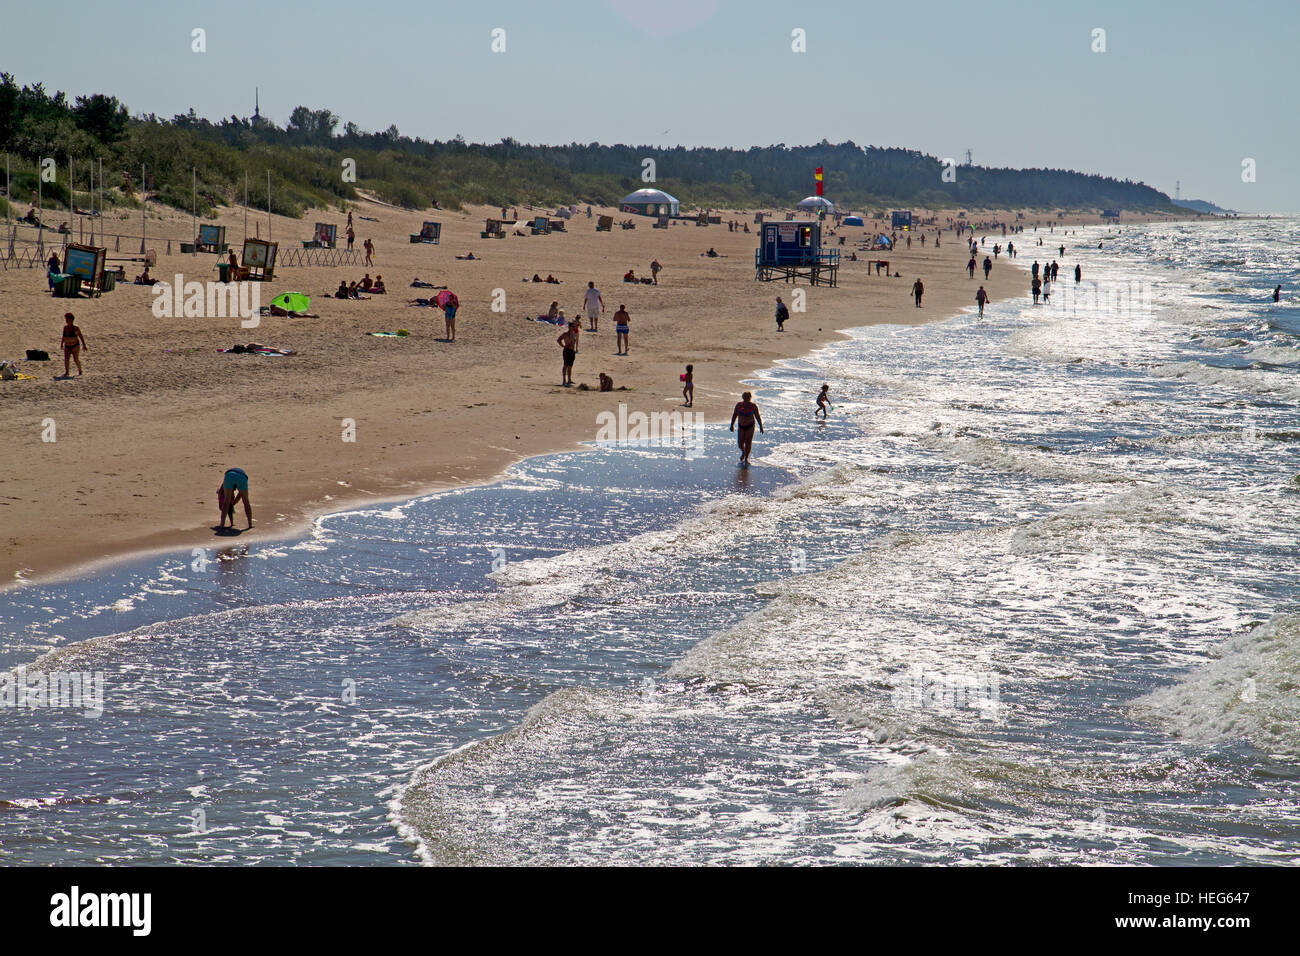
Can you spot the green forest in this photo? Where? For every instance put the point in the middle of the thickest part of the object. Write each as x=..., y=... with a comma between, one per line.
x=308, y=156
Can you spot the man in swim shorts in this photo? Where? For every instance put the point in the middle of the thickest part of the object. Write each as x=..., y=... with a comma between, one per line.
x=234, y=489
x=568, y=341
x=621, y=320
x=747, y=412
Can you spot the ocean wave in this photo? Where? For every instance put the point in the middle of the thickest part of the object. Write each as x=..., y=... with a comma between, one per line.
x=1248, y=693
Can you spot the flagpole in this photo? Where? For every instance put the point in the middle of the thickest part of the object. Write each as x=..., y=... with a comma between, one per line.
x=194, y=211
x=144, y=207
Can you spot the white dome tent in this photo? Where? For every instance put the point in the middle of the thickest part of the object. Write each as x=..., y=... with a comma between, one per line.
x=818, y=204
x=650, y=202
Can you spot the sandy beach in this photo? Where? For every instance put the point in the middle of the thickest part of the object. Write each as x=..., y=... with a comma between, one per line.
x=142, y=439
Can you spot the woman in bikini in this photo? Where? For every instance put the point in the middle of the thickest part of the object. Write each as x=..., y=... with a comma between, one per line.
x=73, y=342
x=747, y=412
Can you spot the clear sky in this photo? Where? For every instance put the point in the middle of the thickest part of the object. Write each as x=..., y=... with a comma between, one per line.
x=1184, y=91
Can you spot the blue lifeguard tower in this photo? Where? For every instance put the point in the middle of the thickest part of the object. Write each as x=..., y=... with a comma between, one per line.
x=793, y=249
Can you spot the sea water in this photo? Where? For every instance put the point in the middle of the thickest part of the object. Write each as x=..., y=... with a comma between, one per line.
x=1027, y=596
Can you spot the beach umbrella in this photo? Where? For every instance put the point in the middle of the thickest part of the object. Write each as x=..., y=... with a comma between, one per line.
x=446, y=296
x=292, y=301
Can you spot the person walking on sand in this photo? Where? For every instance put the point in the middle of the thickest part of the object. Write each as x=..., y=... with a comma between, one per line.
x=234, y=489
x=823, y=402
x=73, y=342
x=594, y=304
x=568, y=341
x=621, y=319
x=449, y=307
x=688, y=386
x=918, y=290
x=747, y=413
x=970, y=267
x=655, y=269
x=370, y=251
x=782, y=313
x=981, y=297
x=52, y=269
x=988, y=267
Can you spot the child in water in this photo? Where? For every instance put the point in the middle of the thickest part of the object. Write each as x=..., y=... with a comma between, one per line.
x=688, y=389
x=823, y=401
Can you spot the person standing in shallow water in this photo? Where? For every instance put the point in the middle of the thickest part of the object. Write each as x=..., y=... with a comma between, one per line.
x=747, y=413
x=234, y=489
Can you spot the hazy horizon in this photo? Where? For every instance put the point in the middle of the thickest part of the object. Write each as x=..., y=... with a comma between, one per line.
x=1021, y=87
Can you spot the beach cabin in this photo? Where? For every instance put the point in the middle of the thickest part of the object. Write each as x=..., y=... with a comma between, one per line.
x=901, y=220
x=605, y=224
x=793, y=249
x=324, y=236
x=83, y=269
x=650, y=202
x=211, y=238
x=258, y=261
x=430, y=232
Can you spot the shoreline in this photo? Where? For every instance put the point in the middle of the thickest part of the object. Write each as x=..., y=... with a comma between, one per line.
x=298, y=504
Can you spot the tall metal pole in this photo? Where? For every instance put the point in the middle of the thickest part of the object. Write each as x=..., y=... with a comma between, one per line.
x=268, y=205
x=40, y=210
x=246, y=204
x=194, y=211
x=101, y=202
x=9, y=207
x=144, y=206
x=72, y=211
x=92, y=202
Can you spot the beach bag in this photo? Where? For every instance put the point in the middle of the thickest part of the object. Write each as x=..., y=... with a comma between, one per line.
x=38, y=355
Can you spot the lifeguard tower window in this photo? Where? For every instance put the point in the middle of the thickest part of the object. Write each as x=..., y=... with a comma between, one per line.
x=805, y=237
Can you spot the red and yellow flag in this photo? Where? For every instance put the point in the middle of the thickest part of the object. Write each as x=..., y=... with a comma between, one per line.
x=817, y=176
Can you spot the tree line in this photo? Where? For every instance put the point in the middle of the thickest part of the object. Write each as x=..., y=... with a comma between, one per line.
x=306, y=158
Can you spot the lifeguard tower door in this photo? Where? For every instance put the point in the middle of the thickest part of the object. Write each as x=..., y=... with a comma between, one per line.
x=769, y=242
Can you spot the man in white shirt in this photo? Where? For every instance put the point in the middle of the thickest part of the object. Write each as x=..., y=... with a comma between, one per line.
x=594, y=303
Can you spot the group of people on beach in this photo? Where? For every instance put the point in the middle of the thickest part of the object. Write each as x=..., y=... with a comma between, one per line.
x=360, y=289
